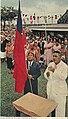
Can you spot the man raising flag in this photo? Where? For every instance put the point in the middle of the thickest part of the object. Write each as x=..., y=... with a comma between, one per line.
x=20, y=72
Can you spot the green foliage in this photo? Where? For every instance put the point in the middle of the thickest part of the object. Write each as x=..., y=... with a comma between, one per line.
x=8, y=13
x=63, y=19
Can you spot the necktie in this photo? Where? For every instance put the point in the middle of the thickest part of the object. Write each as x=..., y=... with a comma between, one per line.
x=29, y=65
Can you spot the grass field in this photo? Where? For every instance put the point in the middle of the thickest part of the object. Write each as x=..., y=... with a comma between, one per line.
x=8, y=95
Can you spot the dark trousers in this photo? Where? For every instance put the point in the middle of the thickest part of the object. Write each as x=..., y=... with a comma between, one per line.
x=9, y=63
x=33, y=85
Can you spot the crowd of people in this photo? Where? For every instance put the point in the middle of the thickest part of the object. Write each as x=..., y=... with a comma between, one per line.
x=7, y=48
x=40, y=50
x=41, y=47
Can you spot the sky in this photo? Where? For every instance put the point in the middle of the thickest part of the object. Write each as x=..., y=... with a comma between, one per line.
x=39, y=7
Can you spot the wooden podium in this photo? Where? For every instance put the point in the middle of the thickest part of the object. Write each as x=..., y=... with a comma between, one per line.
x=34, y=105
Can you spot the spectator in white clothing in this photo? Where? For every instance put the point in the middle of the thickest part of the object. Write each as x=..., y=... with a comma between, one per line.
x=56, y=74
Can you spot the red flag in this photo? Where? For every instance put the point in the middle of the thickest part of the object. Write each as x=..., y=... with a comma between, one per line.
x=20, y=72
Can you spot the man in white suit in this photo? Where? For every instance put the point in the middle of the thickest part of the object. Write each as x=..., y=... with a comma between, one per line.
x=56, y=73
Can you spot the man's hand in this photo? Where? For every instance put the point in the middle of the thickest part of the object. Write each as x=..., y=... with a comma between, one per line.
x=29, y=76
x=51, y=68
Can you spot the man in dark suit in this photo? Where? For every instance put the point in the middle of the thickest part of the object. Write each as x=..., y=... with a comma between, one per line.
x=34, y=72
x=41, y=46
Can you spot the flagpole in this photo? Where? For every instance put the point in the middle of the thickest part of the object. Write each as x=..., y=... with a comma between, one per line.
x=45, y=19
x=30, y=85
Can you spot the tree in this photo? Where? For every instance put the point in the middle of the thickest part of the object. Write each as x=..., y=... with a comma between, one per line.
x=8, y=14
